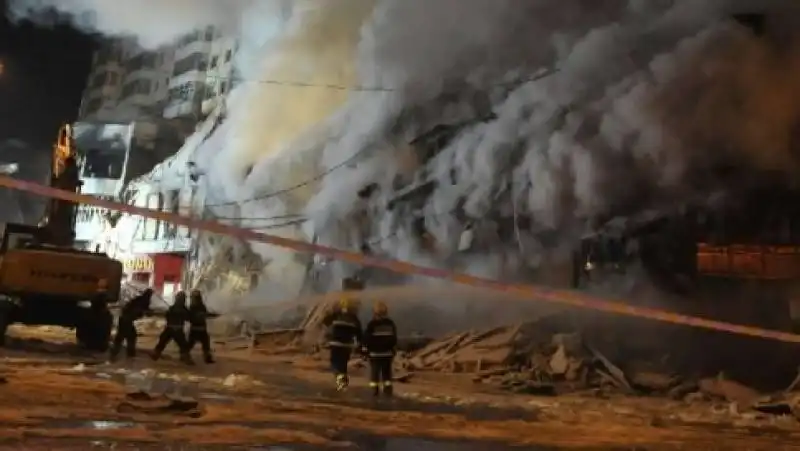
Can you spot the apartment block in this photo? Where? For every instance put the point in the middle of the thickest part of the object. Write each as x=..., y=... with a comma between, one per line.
x=128, y=82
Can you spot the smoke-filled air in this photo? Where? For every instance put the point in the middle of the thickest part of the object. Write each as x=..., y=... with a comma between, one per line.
x=484, y=136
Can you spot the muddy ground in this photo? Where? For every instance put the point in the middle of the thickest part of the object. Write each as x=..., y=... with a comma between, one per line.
x=55, y=397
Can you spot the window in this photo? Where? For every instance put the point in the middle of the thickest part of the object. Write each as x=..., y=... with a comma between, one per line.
x=144, y=60
x=182, y=93
x=228, y=56
x=209, y=90
x=104, y=164
x=209, y=34
x=223, y=87
x=191, y=62
x=140, y=86
x=214, y=62
x=233, y=78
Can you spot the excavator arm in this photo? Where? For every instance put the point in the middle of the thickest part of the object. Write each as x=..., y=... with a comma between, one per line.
x=59, y=228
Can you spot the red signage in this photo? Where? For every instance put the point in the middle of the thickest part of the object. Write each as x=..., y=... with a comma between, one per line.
x=748, y=261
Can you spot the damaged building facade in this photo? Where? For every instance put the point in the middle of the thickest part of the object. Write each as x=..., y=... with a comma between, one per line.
x=560, y=176
x=138, y=108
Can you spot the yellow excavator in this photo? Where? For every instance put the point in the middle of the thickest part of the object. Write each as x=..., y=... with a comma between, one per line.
x=44, y=280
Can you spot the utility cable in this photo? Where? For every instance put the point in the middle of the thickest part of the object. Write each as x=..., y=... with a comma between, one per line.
x=340, y=87
x=354, y=157
x=295, y=187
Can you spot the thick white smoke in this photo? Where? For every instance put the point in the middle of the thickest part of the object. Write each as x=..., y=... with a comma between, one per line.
x=561, y=111
x=153, y=22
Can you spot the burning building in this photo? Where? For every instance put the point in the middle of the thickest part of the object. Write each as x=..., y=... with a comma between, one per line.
x=486, y=137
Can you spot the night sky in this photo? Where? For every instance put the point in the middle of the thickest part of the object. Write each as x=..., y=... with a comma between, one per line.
x=45, y=72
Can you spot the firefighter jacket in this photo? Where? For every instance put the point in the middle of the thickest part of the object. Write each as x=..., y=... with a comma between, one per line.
x=380, y=338
x=99, y=300
x=198, y=316
x=177, y=316
x=344, y=329
x=133, y=310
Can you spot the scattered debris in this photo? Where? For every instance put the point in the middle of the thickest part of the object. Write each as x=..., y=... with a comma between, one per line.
x=144, y=403
x=729, y=390
x=403, y=378
x=237, y=380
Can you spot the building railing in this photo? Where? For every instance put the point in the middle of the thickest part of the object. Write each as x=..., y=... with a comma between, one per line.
x=178, y=244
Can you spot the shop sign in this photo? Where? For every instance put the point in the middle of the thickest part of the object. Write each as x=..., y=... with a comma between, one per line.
x=138, y=264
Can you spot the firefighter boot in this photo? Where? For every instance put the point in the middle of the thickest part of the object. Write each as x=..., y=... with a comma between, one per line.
x=388, y=390
x=208, y=358
x=187, y=358
x=376, y=389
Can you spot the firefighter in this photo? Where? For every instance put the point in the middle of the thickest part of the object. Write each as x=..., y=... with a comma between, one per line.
x=135, y=309
x=198, y=332
x=344, y=333
x=380, y=341
x=100, y=318
x=177, y=316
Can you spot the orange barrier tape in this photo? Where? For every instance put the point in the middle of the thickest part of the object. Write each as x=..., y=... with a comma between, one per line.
x=564, y=297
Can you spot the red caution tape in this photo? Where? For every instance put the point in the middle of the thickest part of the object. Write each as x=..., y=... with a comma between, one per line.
x=564, y=297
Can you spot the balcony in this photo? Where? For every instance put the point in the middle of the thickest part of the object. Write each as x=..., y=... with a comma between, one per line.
x=101, y=187
x=178, y=244
x=188, y=108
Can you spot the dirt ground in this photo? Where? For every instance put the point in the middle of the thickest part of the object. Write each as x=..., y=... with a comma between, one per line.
x=55, y=397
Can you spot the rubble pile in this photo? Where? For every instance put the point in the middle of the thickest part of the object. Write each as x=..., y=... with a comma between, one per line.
x=527, y=359
x=559, y=354
x=579, y=351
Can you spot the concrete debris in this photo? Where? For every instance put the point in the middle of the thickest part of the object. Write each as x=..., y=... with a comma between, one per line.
x=239, y=381
x=534, y=359
x=572, y=352
x=143, y=403
x=729, y=390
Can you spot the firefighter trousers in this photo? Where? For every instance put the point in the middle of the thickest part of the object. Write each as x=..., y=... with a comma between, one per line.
x=126, y=335
x=340, y=356
x=201, y=336
x=380, y=369
x=169, y=334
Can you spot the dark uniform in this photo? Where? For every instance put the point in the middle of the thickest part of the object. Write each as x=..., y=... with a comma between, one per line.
x=177, y=316
x=135, y=309
x=344, y=334
x=380, y=341
x=198, y=332
x=100, y=320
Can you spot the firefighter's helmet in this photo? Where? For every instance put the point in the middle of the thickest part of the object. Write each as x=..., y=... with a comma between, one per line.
x=380, y=309
x=180, y=298
x=347, y=303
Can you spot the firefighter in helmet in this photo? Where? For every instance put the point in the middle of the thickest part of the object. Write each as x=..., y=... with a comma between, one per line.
x=177, y=316
x=344, y=335
x=126, y=335
x=98, y=320
x=198, y=325
x=380, y=342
